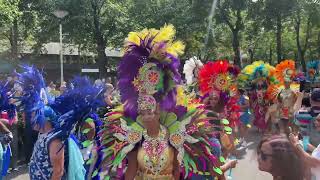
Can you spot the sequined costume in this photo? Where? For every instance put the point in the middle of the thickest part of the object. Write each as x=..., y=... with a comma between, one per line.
x=157, y=161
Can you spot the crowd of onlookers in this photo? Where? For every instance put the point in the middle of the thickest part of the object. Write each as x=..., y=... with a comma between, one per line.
x=295, y=156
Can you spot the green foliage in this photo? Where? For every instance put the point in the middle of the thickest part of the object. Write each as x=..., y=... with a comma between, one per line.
x=255, y=22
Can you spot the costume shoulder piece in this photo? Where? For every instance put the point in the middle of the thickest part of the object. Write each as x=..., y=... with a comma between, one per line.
x=189, y=132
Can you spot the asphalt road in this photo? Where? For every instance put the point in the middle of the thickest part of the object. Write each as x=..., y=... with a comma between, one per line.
x=247, y=168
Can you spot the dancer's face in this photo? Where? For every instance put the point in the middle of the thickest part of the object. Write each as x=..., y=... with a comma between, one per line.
x=214, y=99
x=265, y=157
x=149, y=117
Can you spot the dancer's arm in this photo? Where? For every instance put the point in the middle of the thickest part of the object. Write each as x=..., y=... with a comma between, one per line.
x=298, y=103
x=3, y=127
x=176, y=167
x=228, y=165
x=132, y=165
x=57, y=159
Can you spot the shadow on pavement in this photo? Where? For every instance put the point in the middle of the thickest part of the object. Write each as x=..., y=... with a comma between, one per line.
x=22, y=174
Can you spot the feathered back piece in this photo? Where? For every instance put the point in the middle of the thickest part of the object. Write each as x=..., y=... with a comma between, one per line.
x=150, y=67
x=34, y=96
x=5, y=96
x=285, y=71
x=76, y=104
x=255, y=72
x=190, y=69
x=218, y=76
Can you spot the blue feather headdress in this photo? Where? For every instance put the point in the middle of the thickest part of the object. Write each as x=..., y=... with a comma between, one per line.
x=313, y=71
x=67, y=110
x=34, y=95
x=78, y=103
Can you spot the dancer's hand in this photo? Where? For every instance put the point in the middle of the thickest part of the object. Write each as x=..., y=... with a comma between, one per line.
x=293, y=139
x=228, y=165
x=233, y=163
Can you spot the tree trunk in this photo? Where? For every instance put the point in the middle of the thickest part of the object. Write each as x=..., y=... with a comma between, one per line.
x=279, y=35
x=318, y=49
x=14, y=35
x=302, y=50
x=100, y=41
x=270, y=54
x=236, y=47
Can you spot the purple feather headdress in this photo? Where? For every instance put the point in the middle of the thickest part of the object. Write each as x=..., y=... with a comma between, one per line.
x=156, y=47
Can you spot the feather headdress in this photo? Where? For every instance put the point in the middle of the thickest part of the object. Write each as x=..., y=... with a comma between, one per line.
x=78, y=103
x=285, y=71
x=254, y=72
x=34, y=96
x=150, y=67
x=218, y=76
x=313, y=68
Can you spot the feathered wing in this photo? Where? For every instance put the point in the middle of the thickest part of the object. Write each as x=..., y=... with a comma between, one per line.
x=190, y=134
x=119, y=136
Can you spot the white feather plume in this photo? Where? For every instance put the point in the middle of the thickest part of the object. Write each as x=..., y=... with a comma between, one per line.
x=189, y=67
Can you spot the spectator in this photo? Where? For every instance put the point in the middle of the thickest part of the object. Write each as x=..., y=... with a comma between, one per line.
x=276, y=156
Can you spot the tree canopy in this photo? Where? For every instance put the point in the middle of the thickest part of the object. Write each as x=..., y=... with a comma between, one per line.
x=239, y=30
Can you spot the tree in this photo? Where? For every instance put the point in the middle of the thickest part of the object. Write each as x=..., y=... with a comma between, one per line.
x=231, y=12
x=276, y=11
x=9, y=14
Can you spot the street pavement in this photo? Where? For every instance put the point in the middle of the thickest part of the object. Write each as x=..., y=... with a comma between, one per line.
x=247, y=168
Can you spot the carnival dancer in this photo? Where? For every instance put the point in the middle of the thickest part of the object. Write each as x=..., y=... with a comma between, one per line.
x=156, y=136
x=217, y=81
x=56, y=155
x=285, y=73
x=257, y=77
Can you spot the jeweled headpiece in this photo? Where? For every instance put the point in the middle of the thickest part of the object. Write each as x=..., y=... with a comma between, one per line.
x=150, y=67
